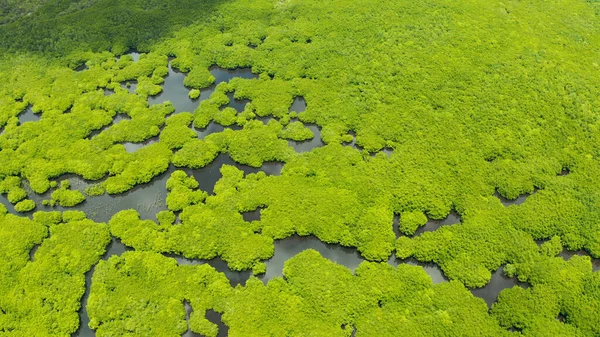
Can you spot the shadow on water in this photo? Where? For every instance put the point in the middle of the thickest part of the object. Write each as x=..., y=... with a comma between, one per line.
x=432, y=225
x=519, y=200
x=499, y=282
x=235, y=277
x=28, y=115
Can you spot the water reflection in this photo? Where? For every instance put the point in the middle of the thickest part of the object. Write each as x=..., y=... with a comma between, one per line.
x=214, y=127
x=174, y=91
x=132, y=147
x=130, y=86
x=188, y=312
x=28, y=115
x=499, y=281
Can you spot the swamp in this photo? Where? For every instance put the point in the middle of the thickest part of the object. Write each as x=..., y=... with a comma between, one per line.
x=299, y=168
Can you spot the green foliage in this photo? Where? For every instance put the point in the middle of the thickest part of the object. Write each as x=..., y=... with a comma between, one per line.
x=321, y=298
x=11, y=186
x=182, y=191
x=138, y=285
x=138, y=168
x=42, y=297
x=559, y=287
x=194, y=94
x=177, y=131
x=95, y=190
x=473, y=97
x=25, y=206
x=65, y=196
x=296, y=131
x=411, y=221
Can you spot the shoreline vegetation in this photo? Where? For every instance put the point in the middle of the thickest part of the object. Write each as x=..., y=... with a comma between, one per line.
x=423, y=109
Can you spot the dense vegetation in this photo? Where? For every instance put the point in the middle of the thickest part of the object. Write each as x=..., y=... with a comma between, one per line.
x=470, y=99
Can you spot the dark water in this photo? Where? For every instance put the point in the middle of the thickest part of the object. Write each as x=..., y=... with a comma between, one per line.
x=238, y=104
x=148, y=199
x=299, y=105
x=130, y=86
x=567, y=254
x=115, y=248
x=388, y=151
x=32, y=252
x=118, y=117
x=519, y=200
x=499, y=281
x=81, y=68
x=432, y=225
x=28, y=116
x=432, y=269
x=175, y=92
x=293, y=245
x=308, y=145
x=132, y=147
x=214, y=128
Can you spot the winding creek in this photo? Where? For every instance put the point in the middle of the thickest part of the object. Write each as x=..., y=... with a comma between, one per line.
x=149, y=198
